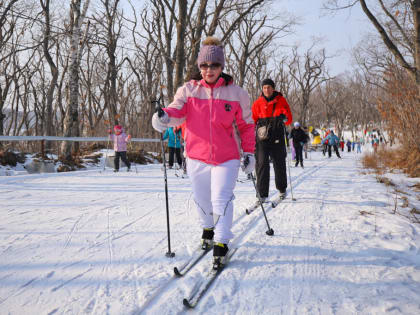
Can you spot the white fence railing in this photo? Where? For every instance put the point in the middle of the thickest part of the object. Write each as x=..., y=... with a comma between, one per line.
x=77, y=139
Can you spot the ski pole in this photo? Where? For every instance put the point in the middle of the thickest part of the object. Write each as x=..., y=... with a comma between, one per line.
x=288, y=162
x=160, y=114
x=175, y=156
x=131, y=149
x=107, y=147
x=270, y=231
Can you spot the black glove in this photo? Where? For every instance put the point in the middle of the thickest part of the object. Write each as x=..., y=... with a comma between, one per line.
x=283, y=118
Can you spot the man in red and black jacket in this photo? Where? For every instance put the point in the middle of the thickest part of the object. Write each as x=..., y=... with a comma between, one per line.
x=271, y=110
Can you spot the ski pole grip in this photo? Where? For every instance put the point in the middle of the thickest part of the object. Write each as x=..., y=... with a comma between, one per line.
x=160, y=112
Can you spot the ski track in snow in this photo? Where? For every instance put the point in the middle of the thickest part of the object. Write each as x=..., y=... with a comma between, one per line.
x=93, y=242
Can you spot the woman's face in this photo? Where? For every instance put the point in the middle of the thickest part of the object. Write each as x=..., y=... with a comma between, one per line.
x=210, y=72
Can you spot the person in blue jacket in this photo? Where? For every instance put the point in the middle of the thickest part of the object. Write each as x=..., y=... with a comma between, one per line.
x=174, y=145
x=333, y=141
x=348, y=143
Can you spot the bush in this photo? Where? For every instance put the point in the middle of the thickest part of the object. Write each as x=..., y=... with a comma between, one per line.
x=10, y=158
x=389, y=159
x=399, y=107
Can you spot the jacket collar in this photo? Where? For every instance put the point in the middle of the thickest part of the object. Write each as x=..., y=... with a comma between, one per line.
x=274, y=96
x=220, y=81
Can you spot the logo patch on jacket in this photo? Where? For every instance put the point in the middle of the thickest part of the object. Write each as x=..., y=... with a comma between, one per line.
x=228, y=107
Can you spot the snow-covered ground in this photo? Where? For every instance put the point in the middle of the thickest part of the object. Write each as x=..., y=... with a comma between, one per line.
x=91, y=242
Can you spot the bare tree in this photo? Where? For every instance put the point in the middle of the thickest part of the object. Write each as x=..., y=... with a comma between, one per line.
x=108, y=29
x=147, y=66
x=71, y=122
x=308, y=72
x=253, y=35
x=400, y=32
x=49, y=129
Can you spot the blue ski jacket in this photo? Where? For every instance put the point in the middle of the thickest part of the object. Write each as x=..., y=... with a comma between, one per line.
x=174, y=140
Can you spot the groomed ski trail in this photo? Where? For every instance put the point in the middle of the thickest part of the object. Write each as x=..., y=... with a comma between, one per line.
x=243, y=225
x=95, y=243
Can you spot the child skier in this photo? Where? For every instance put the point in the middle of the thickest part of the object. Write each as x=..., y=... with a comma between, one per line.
x=120, y=140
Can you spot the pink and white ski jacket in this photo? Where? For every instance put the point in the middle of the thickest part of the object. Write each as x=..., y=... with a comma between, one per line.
x=120, y=141
x=218, y=120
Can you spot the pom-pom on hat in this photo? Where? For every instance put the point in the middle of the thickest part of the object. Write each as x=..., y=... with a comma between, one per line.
x=268, y=82
x=297, y=124
x=118, y=128
x=211, y=51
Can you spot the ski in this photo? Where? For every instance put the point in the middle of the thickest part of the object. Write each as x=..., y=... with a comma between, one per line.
x=275, y=202
x=250, y=209
x=204, y=284
x=194, y=259
x=257, y=203
x=181, y=176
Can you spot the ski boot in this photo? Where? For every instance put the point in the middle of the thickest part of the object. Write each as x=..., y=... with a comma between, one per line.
x=220, y=251
x=207, y=238
x=116, y=170
x=262, y=199
x=283, y=194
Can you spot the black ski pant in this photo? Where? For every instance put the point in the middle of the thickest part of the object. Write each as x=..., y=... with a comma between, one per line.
x=277, y=152
x=324, y=148
x=335, y=150
x=123, y=155
x=299, y=153
x=177, y=152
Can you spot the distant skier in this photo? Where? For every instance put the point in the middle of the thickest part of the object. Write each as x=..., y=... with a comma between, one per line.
x=218, y=127
x=174, y=145
x=333, y=141
x=299, y=139
x=348, y=144
x=342, y=143
x=120, y=140
x=358, y=146
x=375, y=143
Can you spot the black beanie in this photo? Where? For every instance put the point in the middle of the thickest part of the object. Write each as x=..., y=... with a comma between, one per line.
x=268, y=82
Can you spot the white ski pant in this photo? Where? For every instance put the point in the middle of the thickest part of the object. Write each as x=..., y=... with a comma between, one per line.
x=212, y=187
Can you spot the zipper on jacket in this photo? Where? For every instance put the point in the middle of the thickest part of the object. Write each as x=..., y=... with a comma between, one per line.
x=211, y=131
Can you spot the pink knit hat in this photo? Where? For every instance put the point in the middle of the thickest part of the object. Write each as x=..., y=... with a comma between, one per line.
x=118, y=128
x=211, y=51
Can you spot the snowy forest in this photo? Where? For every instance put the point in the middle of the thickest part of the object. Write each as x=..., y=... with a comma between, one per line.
x=71, y=68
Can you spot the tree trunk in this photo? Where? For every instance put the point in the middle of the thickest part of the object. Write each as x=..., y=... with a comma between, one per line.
x=180, y=47
x=49, y=130
x=71, y=122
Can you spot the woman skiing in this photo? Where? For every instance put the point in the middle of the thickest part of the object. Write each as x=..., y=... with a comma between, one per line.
x=218, y=130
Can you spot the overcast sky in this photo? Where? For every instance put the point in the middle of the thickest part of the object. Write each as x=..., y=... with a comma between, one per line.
x=339, y=32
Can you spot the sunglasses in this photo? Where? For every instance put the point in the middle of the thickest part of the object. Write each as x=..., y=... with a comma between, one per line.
x=212, y=66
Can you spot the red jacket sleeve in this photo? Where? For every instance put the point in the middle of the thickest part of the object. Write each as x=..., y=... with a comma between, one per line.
x=284, y=106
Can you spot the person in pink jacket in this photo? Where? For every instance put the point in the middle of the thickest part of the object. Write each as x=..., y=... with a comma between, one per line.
x=219, y=131
x=120, y=140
